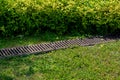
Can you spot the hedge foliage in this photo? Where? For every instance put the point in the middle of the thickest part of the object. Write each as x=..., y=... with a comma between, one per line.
x=59, y=16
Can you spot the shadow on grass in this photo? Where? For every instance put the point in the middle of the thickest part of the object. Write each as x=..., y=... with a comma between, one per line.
x=5, y=77
x=22, y=40
x=18, y=66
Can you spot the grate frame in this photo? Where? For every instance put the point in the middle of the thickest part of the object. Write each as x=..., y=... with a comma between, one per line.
x=46, y=47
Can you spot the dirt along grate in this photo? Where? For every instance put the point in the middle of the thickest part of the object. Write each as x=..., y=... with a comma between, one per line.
x=45, y=47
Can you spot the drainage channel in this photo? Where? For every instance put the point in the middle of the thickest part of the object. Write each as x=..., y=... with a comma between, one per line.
x=45, y=47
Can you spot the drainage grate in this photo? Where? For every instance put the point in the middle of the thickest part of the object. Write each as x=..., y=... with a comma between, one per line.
x=50, y=46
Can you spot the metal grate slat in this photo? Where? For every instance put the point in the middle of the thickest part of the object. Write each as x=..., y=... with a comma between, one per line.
x=2, y=53
x=40, y=47
x=5, y=53
x=34, y=48
x=18, y=50
x=44, y=47
x=13, y=51
x=10, y=52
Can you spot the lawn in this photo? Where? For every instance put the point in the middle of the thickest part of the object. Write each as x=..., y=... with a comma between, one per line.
x=21, y=40
x=28, y=22
x=99, y=62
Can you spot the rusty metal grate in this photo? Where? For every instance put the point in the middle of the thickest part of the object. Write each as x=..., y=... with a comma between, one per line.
x=37, y=48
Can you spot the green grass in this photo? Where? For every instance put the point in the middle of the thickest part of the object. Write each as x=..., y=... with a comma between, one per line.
x=99, y=62
x=21, y=40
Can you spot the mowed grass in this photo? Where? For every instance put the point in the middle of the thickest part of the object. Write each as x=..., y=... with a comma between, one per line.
x=99, y=62
x=21, y=40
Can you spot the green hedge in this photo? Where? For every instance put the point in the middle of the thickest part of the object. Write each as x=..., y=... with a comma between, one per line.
x=59, y=16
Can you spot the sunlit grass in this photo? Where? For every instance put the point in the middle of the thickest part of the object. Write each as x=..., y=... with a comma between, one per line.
x=80, y=63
